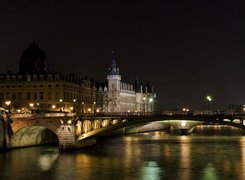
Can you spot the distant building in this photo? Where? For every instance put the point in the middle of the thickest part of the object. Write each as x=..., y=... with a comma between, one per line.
x=35, y=88
x=117, y=96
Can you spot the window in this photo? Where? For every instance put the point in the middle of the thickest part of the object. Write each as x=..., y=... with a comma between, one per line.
x=35, y=95
x=28, y=95
x=41, y=95
x=19, y=95
x=13, y=96
x=1, y=96
x=56, y=95
x=49, y=95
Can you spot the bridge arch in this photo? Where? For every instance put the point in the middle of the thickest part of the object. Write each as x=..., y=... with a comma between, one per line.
x=33, y=136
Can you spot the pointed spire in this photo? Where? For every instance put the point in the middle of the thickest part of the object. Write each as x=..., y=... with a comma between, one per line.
x=113, y=70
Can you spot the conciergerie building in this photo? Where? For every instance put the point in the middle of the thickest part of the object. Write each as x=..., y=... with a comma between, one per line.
x=37, y=89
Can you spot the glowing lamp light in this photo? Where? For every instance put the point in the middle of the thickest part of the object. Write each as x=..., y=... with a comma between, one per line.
x=151, y=100
x=209, y=98
x=183, y=123
x=31, y=105
x=7, y=103
x=53, y=106
x=89, y=109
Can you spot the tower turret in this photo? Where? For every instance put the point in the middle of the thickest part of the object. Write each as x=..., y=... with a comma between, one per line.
x=114, y=86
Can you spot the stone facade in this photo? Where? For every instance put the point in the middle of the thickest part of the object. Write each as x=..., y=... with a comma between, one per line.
x=35, y=88
x=117, y=96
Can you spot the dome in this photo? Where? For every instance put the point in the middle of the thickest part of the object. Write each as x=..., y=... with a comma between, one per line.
x=33, y=61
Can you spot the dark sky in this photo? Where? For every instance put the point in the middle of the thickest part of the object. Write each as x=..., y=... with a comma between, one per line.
x=185, y=49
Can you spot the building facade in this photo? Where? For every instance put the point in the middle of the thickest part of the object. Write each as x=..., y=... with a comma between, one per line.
x=117, y=96
x=35, y=88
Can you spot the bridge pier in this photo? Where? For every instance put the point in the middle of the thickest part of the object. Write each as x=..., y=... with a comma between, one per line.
x=5, y=131
x=66, y=135
x=3, y=145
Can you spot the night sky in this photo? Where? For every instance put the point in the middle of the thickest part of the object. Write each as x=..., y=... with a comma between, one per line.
x=185, y=49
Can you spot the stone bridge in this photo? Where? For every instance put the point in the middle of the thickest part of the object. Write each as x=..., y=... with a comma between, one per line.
x=73, y=131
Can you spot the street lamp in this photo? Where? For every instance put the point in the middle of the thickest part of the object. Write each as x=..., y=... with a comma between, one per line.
x=94, y=107
x=61, y=100
x=82, y=107
x=53, y=107
x=209, y=99
x=31, y=107
x=144, y=104
x=74, y=105
x=8, y=105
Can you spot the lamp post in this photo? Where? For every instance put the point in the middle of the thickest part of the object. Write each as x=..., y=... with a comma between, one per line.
x=8, y=105
x=38, y=107
x=144, y=104
x=61, y=100
x=94, y=107
x=82, y=107
x=150, y=104
x=74, y=105
x=31, y=107
x=209, y=100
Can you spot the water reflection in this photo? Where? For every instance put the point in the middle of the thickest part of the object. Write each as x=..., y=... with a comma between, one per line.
x=185, y=143
x=46, y=161
x=209, y=172
x=145, y=156
x=150, y=170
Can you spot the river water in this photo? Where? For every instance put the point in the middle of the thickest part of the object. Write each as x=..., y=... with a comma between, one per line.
x=145, y=157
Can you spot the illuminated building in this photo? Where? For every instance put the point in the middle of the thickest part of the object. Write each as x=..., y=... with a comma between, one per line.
x=35, y=88
x=117, y=96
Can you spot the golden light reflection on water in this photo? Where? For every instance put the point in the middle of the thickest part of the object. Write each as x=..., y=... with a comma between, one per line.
x=185, y=160
x=242, y=166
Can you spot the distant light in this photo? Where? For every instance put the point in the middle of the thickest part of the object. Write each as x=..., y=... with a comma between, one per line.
x=31, y=105
x=74, y=100
x=71, y=108
x=61, y=100
x=209, y=98
x=53, y=106
x=89, y=109
x=151, y=99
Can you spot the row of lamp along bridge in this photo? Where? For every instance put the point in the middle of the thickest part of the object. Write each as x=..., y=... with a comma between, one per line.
x=70, y=132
